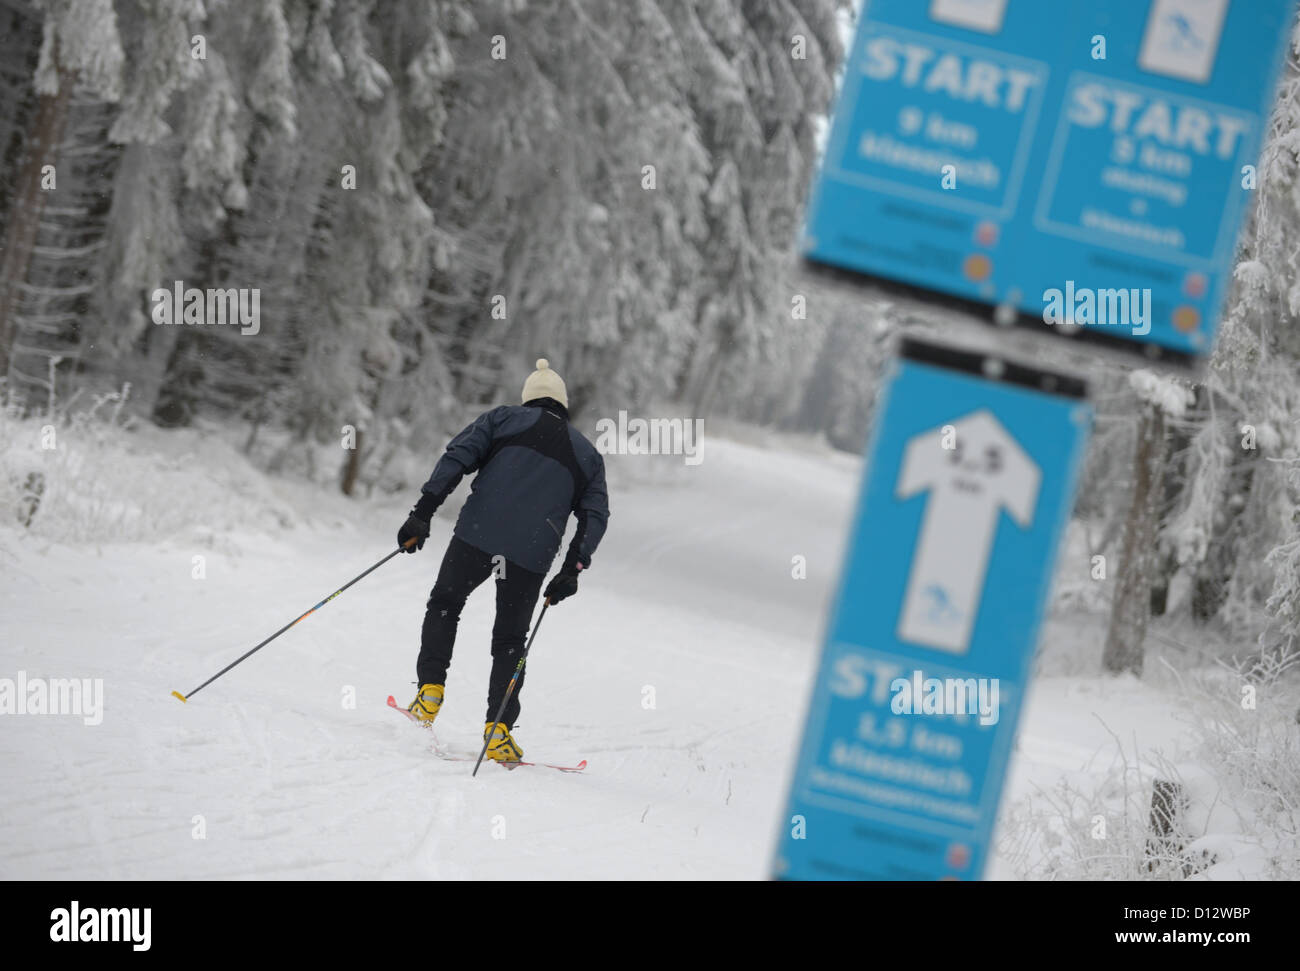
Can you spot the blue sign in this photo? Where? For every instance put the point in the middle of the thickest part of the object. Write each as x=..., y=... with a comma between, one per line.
x=969, y=485
x=1085, y=163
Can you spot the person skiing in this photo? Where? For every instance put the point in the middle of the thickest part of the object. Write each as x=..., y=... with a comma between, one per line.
x=533, y=470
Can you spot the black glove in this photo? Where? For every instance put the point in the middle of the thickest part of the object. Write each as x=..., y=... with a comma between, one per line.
x=414, y=528
x=563, y=584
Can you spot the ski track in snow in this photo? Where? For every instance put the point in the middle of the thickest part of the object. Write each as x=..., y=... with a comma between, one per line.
x=691, y=596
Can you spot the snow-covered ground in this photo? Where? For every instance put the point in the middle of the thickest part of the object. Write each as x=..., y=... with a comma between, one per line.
x=680, y=672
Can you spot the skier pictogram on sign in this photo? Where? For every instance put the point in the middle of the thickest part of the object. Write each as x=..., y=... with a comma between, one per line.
x=968, y=485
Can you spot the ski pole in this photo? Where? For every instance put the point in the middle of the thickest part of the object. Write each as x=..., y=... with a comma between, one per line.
x=243, y=657
x=510, y=688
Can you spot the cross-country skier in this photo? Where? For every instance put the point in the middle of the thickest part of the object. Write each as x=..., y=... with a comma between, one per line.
x=534, y=469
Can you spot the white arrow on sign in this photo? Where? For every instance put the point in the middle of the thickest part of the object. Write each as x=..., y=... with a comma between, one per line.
x=969, y=485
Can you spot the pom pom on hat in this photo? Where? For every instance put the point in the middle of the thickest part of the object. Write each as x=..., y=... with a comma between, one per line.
x=545, y=383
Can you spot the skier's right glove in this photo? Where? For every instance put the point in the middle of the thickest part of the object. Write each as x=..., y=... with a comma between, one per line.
x=414, y=528
x=563, y=584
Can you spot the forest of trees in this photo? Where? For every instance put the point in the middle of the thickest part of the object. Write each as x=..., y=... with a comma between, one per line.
x=427, y=194
x=430, y=194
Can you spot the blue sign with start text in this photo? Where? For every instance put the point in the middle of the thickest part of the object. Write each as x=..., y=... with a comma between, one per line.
x=1084, y=162
x=968, y=486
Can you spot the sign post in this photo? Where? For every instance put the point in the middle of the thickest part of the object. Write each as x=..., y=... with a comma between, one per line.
x=968, y=487
x=1080, y=167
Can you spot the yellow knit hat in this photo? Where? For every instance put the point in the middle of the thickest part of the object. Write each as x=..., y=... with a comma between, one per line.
x=545, y=383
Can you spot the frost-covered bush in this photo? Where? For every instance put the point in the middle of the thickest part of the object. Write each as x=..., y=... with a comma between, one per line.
x=1239, y=816
x=86, y=473
x=1094, y=824
x=1245, y=715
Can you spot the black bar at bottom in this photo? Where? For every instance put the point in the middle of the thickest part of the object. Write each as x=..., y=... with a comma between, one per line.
x=1000, y=924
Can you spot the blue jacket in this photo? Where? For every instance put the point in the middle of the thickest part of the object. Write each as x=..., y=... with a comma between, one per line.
x=534, y=469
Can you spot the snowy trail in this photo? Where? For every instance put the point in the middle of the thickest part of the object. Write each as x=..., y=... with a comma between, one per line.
x=690, y=599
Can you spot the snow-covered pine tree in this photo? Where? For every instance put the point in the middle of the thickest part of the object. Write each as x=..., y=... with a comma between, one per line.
x=80, y=57
x=1234, y=527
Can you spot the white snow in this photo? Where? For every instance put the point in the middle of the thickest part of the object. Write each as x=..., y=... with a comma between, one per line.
x=1170, y=395
x=680, y=672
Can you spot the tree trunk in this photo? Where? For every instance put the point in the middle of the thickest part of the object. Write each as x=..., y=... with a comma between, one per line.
x=147, y=369
x=702, y=381
x=1131, y=608
x=43, y=141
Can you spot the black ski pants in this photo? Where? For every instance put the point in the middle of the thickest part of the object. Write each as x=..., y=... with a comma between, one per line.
x=463, y=568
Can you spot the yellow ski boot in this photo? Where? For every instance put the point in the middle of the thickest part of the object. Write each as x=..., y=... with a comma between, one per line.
x=428, y=702
x=501, y=745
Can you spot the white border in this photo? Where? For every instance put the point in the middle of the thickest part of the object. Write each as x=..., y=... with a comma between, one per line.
x=1115, y=241
x=947, y=200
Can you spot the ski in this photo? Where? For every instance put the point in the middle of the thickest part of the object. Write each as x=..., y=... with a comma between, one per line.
x=392, y=703
x=513, y=765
